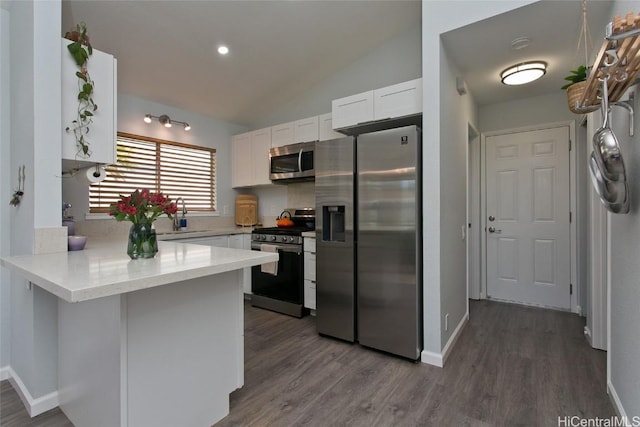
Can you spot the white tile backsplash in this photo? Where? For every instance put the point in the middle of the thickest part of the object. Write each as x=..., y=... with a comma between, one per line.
x=301, y=195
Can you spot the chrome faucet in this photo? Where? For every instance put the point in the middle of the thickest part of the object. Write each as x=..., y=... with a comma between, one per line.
x=176, y=223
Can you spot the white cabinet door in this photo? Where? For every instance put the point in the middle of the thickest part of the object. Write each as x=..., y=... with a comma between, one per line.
x=325, y=128
x=398, y=100
x=305, y=130
x=282, y=134
x=260, y=145
x=310, y=294
x=241, y=161
x=102, y=136
x=351, y=110
x=235, y=241
x=309, y=245
x=216, y=241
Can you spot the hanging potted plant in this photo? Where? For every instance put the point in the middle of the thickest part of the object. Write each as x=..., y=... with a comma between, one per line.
x=575, y=88
x=577, y=77
x=81, y=50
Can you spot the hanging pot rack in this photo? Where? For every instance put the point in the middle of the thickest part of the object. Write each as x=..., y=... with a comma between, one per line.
x=619, y=58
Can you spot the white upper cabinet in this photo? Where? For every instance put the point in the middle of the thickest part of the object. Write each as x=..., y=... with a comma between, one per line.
x=403, y=99
x=351, y=110
x=399, y=100
x=325, y=128
x=282, y=134
x=250, y=158
x=102, y=134
x=260, y=146
x=305, y=130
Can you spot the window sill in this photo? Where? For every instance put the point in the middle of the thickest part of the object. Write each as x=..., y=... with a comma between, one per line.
x=94, y=216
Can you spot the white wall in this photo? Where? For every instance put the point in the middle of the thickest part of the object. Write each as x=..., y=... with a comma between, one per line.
x=5, y=188
x=525, y=112
x=624, y=278
x=624, y=269
x=205, y=131
x=394, y=61
x=439, y=17
x=34, y=142
x=458, y=112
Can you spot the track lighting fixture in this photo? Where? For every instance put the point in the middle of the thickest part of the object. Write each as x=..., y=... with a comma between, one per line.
x=166, y=121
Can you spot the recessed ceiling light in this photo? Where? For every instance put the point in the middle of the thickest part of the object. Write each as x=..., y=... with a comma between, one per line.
x=223, y=50
x=525, y=72
x=520, y=43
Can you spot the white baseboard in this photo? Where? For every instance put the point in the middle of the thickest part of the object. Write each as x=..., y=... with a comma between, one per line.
x=587, y=334
x=439, y=359
x=617, y=405
x=4, y=373
x=34, y=406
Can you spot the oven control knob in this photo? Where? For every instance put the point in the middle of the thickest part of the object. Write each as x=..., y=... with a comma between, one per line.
x=291, y=239
x=263, y=237
x=273, y=238
x=260, y=237
x=284, y=238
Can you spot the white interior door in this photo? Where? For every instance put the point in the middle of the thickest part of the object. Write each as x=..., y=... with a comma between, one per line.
x=528, y=227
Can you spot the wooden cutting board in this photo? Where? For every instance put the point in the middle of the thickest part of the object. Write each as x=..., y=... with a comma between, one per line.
x=246, y=209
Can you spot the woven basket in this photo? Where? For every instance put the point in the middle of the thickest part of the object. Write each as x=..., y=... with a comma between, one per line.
x=574, y=95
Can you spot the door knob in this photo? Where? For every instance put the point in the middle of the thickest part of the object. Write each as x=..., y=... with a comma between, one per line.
x=492, y=218
x=493, y=230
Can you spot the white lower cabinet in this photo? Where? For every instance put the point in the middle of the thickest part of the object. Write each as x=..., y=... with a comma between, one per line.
x=310, y=273
x=233, y=241
x=217, y=241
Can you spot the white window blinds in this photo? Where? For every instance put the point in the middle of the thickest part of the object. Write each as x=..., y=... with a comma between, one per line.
x=178, y=170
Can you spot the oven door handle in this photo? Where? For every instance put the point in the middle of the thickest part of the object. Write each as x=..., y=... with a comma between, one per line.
x=284, y=248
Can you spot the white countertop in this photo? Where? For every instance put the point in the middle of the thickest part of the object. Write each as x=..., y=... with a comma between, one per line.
x=105, y=269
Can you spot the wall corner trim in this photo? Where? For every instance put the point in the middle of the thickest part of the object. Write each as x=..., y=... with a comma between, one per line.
x=438, y=359
x=34, y=406
x=432, y=358
x=615, y=400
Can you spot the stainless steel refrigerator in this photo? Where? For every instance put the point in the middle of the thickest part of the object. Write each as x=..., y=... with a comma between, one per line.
x=369, y=240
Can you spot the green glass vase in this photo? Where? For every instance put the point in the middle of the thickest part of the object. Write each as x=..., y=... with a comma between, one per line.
x=142, y=241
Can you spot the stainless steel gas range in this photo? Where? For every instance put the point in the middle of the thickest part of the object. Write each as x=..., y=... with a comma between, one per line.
x=279, y=286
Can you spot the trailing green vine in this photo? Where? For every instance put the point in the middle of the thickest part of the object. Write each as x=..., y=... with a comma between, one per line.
x=81, y=50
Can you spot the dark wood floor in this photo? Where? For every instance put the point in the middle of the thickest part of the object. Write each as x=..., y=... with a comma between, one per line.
x=512, y=366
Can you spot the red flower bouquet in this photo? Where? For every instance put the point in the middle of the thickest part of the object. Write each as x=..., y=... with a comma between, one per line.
x=142, y=208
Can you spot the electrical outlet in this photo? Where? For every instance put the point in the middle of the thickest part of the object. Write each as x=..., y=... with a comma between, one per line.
x=446, y=322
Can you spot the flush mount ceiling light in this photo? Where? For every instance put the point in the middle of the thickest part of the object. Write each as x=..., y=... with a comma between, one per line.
x=524, y=72
x=166, y=121
x=223, y=50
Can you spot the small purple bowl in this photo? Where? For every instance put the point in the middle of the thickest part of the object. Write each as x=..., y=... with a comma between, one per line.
x=76, y=243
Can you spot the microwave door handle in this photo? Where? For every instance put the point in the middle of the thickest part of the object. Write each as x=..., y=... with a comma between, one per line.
x=300, y=161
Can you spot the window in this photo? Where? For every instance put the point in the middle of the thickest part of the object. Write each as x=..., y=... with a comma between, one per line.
x=178, y=170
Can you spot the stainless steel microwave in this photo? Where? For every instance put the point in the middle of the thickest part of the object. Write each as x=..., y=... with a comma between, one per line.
x=292, y=162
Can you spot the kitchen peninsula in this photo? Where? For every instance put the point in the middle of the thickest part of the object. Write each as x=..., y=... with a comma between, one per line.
x=146, y=342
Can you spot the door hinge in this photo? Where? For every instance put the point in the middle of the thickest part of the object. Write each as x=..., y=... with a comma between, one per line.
x=569, y=145
x=570, y=217
x=570, y=288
